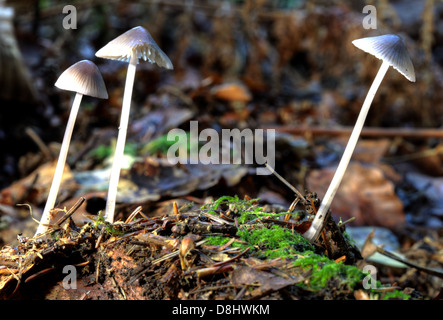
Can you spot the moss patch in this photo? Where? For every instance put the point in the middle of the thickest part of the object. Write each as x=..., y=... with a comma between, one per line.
x=275, y=242
x=245, y=210
x=266, y=240
x=327, y=272
x=257, y=230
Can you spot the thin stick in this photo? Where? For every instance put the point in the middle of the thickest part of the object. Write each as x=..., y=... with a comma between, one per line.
x=70, y=212
x=38, y=141
x=346, y=222
x=433, y=272
x=121, y=140
x=133, y=214
x=175, y=253
x=290, y=186
x=58, y=175
x=375, y=132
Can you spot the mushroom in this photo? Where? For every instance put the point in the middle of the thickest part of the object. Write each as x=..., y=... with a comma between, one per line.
x=84, y=78
x=130, y=47
x=392, y=51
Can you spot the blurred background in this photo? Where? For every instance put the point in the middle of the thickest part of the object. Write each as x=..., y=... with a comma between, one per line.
x=283, y=64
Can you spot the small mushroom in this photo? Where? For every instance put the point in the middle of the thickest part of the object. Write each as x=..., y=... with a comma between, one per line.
x=392, y=51
x=84, y=78
x=130, y=47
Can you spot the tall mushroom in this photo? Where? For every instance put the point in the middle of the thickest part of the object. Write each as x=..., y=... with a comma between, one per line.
x=130, y=47
x=392, y=51
x=84, y=78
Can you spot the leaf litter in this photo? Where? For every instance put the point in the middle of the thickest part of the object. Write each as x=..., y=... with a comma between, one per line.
x=226, y=249
x=178, y=255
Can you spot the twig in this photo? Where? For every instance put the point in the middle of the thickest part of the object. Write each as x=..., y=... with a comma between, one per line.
x=414, y=156
x=213, y=288
x=367, y=132
x=32, y=216
x=120, y=238
x=232, y=259
x=38, y=141
x=71, y=211
x=134, y=214
x=99, y=239
x=341, y=224
x=175, y=253
x=242, y=292
x=410, y=264
x=38, y=274
x=204, y=272
x=118, y=288
x=83, y=296
x=290, y=186
x=217, y=219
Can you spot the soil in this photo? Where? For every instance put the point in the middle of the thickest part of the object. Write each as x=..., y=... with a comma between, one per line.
x=168, y=258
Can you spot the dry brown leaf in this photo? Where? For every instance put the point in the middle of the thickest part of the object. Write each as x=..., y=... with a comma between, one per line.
x=369, y=248
x=232, y=92
x=265, y=281
x=364, y=194
x=35, y=187
x=367, y=150
x=361, y=295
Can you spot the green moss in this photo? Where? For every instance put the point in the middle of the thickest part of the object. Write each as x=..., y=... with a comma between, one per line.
x=162, y=144
x=325, y=270
x=349, y=239
x=311, y=260
x=234, y=203
x=268, y=243
x=109, y=228
x=348, y=276
x=396, y=294
x=238, y=204
x=217, y=240
x=246, y=210
x=103, y=151
x=275, y=241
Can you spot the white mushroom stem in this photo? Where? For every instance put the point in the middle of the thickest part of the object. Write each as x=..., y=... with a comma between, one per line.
x=58, y=175
x=121, y=140
x=317, y=224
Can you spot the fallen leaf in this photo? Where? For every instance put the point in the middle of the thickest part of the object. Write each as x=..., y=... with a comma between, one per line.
x=364, y=193
x=367, y=150
x=156, y=178
x=266, y=281
x=231, y=92
x=35, y=187
x=361, y=295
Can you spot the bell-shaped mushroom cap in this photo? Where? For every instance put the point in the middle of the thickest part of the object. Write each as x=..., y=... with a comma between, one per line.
x=389, y=48
x=85, y=78
x=135, y=42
